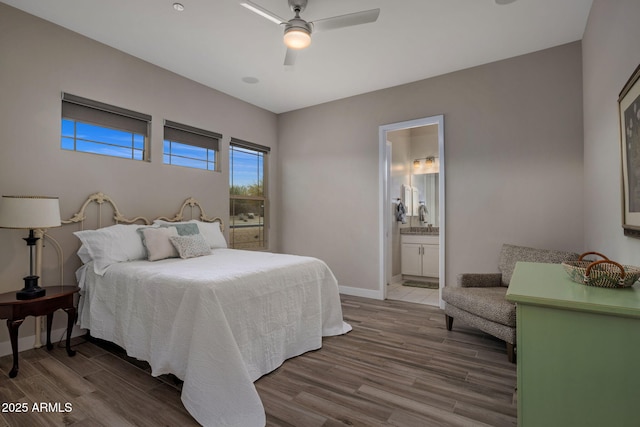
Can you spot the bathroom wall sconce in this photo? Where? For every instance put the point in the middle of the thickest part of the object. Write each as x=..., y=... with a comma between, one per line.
x=427, y=162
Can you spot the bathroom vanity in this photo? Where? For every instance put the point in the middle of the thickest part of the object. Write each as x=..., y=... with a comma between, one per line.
x=419, y=252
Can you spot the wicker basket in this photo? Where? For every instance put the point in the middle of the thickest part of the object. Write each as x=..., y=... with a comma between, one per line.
x=604, y=273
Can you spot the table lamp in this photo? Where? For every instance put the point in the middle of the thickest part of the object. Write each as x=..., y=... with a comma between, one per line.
x=33, y=213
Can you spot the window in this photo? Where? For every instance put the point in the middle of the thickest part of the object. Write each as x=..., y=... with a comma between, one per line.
x=248, y=198
x=94, y=127
x=190, y=147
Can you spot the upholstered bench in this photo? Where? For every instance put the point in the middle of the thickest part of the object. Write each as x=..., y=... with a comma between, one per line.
x=479, y=299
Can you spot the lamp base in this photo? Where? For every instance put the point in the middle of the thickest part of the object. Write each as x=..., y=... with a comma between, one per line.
x=31, y=289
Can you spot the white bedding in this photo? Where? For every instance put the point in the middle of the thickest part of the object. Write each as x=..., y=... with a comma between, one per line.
x=218, y=322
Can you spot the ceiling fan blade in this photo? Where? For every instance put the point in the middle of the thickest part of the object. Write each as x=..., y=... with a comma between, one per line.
x=290, y=57
x=263, y=12
x=347, y=20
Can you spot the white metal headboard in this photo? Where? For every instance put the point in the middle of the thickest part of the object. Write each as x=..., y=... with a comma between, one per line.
x=192, y=203
x=100, y=198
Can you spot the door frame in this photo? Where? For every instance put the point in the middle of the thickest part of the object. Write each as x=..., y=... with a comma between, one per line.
x=385, y=200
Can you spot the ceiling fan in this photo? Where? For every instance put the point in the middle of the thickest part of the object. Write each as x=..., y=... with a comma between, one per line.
x=297, y=31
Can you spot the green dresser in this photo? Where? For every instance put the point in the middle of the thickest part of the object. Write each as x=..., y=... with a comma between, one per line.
x=578, y=350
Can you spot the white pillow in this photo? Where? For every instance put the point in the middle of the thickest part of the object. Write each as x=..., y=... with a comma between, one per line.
x=211, y=233
x=191, y=246
x=84, y=255
x=109, y=245
x=209, y=230
x=158, y=244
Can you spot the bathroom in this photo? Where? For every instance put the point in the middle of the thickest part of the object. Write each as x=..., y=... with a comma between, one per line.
x=414, y=243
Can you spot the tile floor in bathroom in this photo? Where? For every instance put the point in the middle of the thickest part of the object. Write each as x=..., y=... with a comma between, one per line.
x=396, y=291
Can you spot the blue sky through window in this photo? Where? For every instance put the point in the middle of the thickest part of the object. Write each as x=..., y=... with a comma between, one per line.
x=90, y=138
x=176, y=153
x=247, y=167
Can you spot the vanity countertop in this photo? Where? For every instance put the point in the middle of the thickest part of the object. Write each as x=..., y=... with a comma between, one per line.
x=421, y=231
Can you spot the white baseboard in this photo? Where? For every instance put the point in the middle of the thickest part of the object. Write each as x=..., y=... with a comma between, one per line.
x=359, y=292
x=26, y=343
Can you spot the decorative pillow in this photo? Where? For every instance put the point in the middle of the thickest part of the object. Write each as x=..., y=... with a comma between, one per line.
x=109, y=245
x=142, y=238
x=184, y=228
x=160, y=222
x=158, y=244
x=191, y=246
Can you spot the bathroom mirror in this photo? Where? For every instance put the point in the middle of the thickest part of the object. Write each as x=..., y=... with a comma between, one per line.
x=427, y=185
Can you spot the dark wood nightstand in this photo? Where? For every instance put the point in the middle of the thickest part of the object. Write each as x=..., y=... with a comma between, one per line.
x=15, y=311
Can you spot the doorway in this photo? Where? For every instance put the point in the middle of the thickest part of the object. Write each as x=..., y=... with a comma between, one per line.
x=416, y=178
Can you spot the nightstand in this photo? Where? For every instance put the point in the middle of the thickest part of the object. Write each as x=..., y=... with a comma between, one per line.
x=15, y=311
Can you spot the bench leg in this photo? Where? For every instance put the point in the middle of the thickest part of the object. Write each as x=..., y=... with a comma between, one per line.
x=449, y=321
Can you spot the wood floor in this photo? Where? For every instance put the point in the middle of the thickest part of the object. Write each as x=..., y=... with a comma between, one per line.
x=399, y=366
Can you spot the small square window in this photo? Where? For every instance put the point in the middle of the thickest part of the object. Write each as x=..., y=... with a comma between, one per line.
x=190, y=147
x=93, y=127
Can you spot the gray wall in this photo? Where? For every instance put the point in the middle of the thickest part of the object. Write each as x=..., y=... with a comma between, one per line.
x=513, y=157
x=611, y=53
x=38, y=61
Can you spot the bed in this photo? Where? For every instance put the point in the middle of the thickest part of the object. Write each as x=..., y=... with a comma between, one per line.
x=218, y=321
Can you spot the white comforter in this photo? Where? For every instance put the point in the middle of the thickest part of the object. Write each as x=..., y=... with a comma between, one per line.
x=217, y=322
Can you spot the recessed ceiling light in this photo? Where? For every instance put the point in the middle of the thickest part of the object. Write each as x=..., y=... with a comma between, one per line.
x=178, y=6
x=503, y=2
x=250, y=80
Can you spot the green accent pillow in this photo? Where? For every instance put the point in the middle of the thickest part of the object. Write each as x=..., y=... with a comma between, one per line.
x=184, y=229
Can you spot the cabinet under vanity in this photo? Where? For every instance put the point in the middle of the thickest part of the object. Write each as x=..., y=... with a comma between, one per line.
x=420, y=254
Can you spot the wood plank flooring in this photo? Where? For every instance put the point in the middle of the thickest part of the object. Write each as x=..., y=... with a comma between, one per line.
x=398, y=367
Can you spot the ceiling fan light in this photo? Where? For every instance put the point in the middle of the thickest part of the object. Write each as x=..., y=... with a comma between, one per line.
x=297, y=38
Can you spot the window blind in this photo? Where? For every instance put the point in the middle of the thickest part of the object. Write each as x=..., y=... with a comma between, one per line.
x=89, y=111
x=178, y=132
x=250, y=145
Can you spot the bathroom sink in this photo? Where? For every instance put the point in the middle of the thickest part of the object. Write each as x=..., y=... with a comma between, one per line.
x=428, y=231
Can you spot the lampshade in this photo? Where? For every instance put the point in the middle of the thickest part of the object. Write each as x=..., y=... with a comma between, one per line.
x=29, y=212
x=297, y=38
